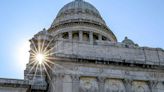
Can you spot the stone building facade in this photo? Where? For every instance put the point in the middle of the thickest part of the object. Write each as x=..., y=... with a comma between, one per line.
x=83, y=55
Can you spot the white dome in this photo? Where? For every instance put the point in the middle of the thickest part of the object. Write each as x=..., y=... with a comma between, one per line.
x=79, y=12
x=78, y=9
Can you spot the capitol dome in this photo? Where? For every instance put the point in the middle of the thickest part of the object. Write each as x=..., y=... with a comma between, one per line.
x=78, y=9
x=81, y=13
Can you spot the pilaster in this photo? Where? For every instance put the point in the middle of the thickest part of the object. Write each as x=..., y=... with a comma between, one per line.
x=59, y=82
x=70, y=35
x=101, y=84
x=91, y=37
x=128, y=85
x=80, y=36
x=75, y=83
x=153, y=86
x=60, y=36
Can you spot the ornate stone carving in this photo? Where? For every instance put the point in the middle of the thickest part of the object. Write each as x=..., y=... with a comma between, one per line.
x=140, y=86
x=140, y=89
x=159, y=87
x=88, y=84
x=114, y=85
x=128, y=84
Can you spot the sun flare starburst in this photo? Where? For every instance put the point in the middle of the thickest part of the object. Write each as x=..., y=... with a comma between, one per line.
x=40, y=58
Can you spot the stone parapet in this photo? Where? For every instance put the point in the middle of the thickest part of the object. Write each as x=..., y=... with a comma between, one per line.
x=116, y=52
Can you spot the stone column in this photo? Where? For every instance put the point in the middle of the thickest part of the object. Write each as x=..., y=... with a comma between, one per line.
x=70, y=35
x=91, y=37
x=52, y=84
x=60, y=36
x=59, y=82
x=100, y=37
x=75, y=83
x=101, y=84
x=80, y=36
x=128, y=85
x=153, y=86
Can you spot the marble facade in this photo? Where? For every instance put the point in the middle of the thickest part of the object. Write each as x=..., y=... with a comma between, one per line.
x=85, y=56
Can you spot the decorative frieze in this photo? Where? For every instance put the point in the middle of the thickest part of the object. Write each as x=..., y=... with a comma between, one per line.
x=114, y=85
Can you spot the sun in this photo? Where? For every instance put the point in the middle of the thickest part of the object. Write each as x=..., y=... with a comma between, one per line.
x=40, y=58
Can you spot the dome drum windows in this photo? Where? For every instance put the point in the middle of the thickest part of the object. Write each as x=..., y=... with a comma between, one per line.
x=82, y=13
x=84, y=36
x=95, y=36
x=65, y=35
x=75, y=36
x=104, y=38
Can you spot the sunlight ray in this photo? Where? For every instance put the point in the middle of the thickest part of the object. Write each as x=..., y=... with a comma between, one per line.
x=48, y=51
x=34, y=46
x=49, y=61
x=32, y=67
x=39, y=46
x=42, y=45
x=47, y=72
x=35, y=74
x=41, y=72
x=32, y=62
x=33, y=54
x=48, y=66
x=45, y=49
x=33, y=51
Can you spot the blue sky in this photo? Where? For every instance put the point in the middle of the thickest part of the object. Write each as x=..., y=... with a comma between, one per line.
x=140, y=20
